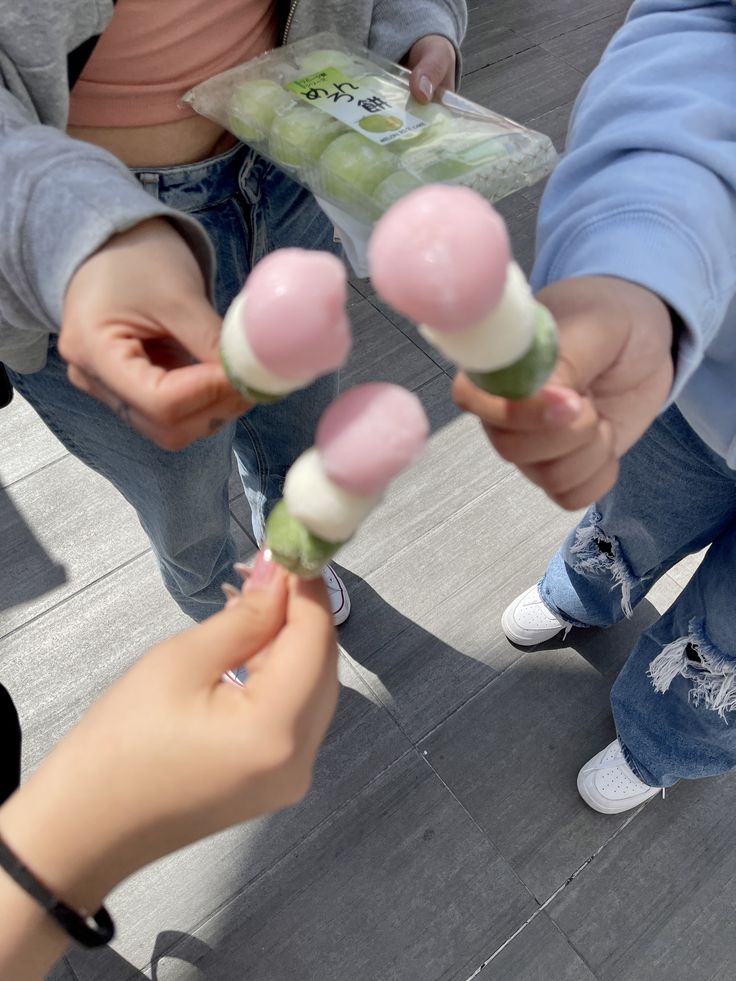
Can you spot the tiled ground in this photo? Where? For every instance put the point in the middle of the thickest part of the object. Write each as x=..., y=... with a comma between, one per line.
x=444, y=835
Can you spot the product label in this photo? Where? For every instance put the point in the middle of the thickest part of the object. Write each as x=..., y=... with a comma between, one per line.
x=356, y=105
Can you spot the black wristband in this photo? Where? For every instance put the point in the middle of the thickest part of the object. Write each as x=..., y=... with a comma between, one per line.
x=87, y=929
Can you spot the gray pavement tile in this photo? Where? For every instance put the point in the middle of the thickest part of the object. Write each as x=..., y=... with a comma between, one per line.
x=541, y=20
x=409, y=329
x=657, y=903
x=486, y=42
x=80, y=520
x=382, y=353
x=31, y=571
x=427, y=651
x=539, y=953
x=524, y=87
x=511, y=757
x=401, y=885
x=583, y=47
x=26, y=444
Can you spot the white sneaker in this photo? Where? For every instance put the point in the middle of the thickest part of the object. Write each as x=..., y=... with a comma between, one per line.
x=527, y=621
x=609, y=785
x=338, y=594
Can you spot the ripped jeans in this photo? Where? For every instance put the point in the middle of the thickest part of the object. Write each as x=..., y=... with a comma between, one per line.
x=674, y=702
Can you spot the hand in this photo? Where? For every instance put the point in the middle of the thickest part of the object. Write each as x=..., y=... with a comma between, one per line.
x=170, y=753
x=432, y=62
x=613, y=376
x=136, y=321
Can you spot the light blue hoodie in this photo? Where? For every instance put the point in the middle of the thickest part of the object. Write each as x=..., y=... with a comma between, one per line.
x=647, y=191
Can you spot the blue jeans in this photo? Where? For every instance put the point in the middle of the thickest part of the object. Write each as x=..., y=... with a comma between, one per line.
x=248, y=208
x=673, y=702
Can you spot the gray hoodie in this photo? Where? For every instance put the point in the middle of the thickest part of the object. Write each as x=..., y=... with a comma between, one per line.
x=62, y=199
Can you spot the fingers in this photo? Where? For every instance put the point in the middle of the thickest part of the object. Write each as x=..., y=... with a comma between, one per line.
x=580, y=477
x=140, y=334
x=432, y=60
x=551, y=409
x=557, y=439
x=171, y=408
x=236, y=634
x=296, y=684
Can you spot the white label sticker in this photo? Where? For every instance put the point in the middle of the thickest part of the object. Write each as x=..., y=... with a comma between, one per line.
x=357, y=106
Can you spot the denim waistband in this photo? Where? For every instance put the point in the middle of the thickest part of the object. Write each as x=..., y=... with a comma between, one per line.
x=189, y=187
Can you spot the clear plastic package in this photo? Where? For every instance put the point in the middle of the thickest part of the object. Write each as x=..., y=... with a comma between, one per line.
x=340, y=120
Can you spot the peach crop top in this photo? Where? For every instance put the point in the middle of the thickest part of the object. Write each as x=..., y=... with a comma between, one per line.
x=154, y=50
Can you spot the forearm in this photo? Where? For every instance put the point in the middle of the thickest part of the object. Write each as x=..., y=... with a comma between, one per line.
x=645, y=192
x=64, y=200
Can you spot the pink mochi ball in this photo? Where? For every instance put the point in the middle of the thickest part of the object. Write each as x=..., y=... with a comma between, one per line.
x=440, y=257
x=369, y=435
x=294, y=313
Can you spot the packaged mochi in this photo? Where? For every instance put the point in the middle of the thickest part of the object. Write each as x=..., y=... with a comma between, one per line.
x=342, y=122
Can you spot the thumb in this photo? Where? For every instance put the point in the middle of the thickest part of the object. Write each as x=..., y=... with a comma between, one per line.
x=432, y=60
x=239, y=632
x=197, y=327
x=298, y=680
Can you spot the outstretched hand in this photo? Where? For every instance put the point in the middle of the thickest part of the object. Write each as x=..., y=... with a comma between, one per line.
x=613, y=377
x=139, y=334
x=171, y=753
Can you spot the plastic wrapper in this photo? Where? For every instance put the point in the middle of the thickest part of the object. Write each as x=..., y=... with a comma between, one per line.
x=341, y=121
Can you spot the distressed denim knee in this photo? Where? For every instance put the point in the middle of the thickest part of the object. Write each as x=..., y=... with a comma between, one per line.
x=710, y=671
x=590, y=581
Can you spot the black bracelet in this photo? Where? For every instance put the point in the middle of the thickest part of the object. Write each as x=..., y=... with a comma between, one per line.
x=87, y=929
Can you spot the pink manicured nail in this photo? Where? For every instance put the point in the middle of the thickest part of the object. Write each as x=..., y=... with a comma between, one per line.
x=563, y=409
x=263, y=572
x=242, y=569
x=426, y=88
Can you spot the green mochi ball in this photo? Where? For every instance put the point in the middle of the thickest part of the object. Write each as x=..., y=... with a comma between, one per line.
x=352, y=167
x=300, y=135
x=319, y=61
x=294, y=547
x=253, y=106
x=394, y=187
x=527, y=375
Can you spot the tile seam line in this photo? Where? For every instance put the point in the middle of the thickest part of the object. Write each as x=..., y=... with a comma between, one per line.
x=73, y=595
x=554, y=37
x=33, y=473
x=550, y=899
x=441, y=524
x=282, y=858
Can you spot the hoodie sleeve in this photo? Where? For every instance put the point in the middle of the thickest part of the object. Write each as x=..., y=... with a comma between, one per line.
x=647, y=188
x=62, y=199
x=398, y=24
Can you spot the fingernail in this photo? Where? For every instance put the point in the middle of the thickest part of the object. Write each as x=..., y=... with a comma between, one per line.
x=242, y=569
x=263, y=572
x=426, y=87
x=230, y=591
x=564, y=410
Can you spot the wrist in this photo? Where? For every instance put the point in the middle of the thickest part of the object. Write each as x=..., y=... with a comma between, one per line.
x=60, y=852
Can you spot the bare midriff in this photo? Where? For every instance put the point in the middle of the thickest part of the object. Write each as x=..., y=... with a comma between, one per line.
x=160, y=145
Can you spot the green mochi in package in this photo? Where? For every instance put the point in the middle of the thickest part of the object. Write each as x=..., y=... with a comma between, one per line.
x=341, y=120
